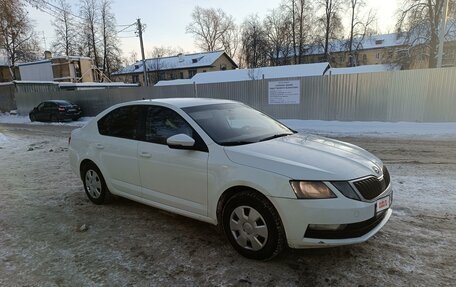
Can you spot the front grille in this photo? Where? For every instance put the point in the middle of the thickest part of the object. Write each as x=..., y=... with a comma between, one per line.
x=372, y=187
x=351, y=230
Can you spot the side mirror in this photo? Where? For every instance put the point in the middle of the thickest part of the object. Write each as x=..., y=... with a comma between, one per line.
x=180, y=141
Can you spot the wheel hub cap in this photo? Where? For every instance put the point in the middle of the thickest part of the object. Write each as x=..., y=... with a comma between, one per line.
x=248, y=228
x=93, y=183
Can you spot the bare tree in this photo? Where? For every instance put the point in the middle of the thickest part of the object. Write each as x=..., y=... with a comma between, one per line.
x=90, y=34
x=255, y=48
x=301, y=15
x=155, y=62
x=111, y=50
x=230, y=41
x=421, y=19
x=210, y=28
x=65, y=29
x=330, y=22
x=279, y=34
x=359, y=27
x=130, y=59
x=16, y=33
x=163, y=51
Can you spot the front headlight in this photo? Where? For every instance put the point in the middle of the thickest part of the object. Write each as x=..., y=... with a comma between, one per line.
x=311, y=190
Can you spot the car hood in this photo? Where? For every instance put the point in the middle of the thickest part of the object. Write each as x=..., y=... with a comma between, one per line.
x=307, y=157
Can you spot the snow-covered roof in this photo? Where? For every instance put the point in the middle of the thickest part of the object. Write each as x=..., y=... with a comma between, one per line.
x=181, y=61
x=93, y=84
x=363, y=69
x=276, y=72
x=370, y=42
x=33, y=63
x=378, y=41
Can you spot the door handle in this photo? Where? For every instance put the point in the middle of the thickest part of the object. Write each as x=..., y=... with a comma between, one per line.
x=99, y=146
x=145, y=154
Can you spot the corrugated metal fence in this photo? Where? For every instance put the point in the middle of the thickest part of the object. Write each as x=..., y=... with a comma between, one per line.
x=417, y=95
x=7, y=102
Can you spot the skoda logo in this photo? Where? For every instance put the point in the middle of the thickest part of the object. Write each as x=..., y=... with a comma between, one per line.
x=376, y=169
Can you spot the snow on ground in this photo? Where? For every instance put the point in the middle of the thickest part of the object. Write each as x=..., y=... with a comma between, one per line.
x=330, y=128
x=43, y=207
x=375, y=129
x=7, y=118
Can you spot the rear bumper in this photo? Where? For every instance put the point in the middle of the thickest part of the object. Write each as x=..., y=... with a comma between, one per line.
x=69, y=116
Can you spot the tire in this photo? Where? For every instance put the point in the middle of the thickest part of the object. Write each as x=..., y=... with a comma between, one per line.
x=32, y=118
x=253, y=226
x=95, y=185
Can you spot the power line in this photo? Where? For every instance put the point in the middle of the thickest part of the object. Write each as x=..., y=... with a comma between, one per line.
x=126, y=27
x=63, y=10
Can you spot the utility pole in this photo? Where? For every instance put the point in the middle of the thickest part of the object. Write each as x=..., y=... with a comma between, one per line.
x=442, y=33
x=142, y=51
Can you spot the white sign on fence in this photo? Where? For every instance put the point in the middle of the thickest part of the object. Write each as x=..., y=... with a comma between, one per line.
x=284, y=92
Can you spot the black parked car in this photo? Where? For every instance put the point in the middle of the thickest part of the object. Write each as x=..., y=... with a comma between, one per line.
x=55, y=111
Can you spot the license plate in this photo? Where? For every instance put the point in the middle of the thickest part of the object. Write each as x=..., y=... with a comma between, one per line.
x=383, y=203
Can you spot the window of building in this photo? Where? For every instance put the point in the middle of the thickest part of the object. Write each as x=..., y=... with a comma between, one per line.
x=223, y=67
x=135, y=79
x=377, y=56
x=378, y=42
x=364, y=58
x=181, y=75
x=191, y=73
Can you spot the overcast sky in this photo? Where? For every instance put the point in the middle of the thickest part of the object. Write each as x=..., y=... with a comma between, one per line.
x=166, y=20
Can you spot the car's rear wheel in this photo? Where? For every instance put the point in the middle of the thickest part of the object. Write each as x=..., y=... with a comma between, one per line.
x=253, y=226
x=95, y=185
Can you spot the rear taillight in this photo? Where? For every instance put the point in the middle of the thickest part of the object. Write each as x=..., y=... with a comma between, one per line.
x=61, y=109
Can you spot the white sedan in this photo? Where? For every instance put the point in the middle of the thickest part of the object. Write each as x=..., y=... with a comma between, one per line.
x=225, y=163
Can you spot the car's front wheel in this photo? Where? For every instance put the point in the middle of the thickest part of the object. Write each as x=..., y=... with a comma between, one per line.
x=32, y=117
x=95, y=185
x=253, y=226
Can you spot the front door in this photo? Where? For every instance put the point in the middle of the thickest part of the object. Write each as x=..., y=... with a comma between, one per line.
x=173, y=177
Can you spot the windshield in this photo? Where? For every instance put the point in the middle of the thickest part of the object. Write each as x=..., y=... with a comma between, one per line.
x=236, y=124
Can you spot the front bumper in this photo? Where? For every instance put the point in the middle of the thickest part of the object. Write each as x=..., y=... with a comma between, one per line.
x=359, y=217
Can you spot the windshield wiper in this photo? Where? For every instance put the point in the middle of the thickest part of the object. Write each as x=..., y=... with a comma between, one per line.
x=274, y=137
x=233, y=143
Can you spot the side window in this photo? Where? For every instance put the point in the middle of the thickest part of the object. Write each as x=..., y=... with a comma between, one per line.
x=122, y=122
x=162, y=123
x=40, y=106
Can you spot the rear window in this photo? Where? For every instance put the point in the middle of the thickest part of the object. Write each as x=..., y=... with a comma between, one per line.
x=122, y=122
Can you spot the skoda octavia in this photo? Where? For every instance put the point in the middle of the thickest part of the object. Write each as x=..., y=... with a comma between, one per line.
x=222, y=162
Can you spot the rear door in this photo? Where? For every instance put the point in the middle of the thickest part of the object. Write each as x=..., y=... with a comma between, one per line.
x=173, y=177
x=117, y=148
x=39, y=112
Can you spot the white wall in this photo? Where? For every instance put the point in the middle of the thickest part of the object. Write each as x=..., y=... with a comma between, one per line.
x=41, y=71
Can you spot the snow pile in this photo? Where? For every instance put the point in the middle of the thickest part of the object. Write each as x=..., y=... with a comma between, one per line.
x=374, y=129
x=3, y=138
x=8, y=118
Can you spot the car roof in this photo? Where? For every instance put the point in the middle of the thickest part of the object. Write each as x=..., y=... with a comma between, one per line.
x=58, y=101
x=187, y=102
